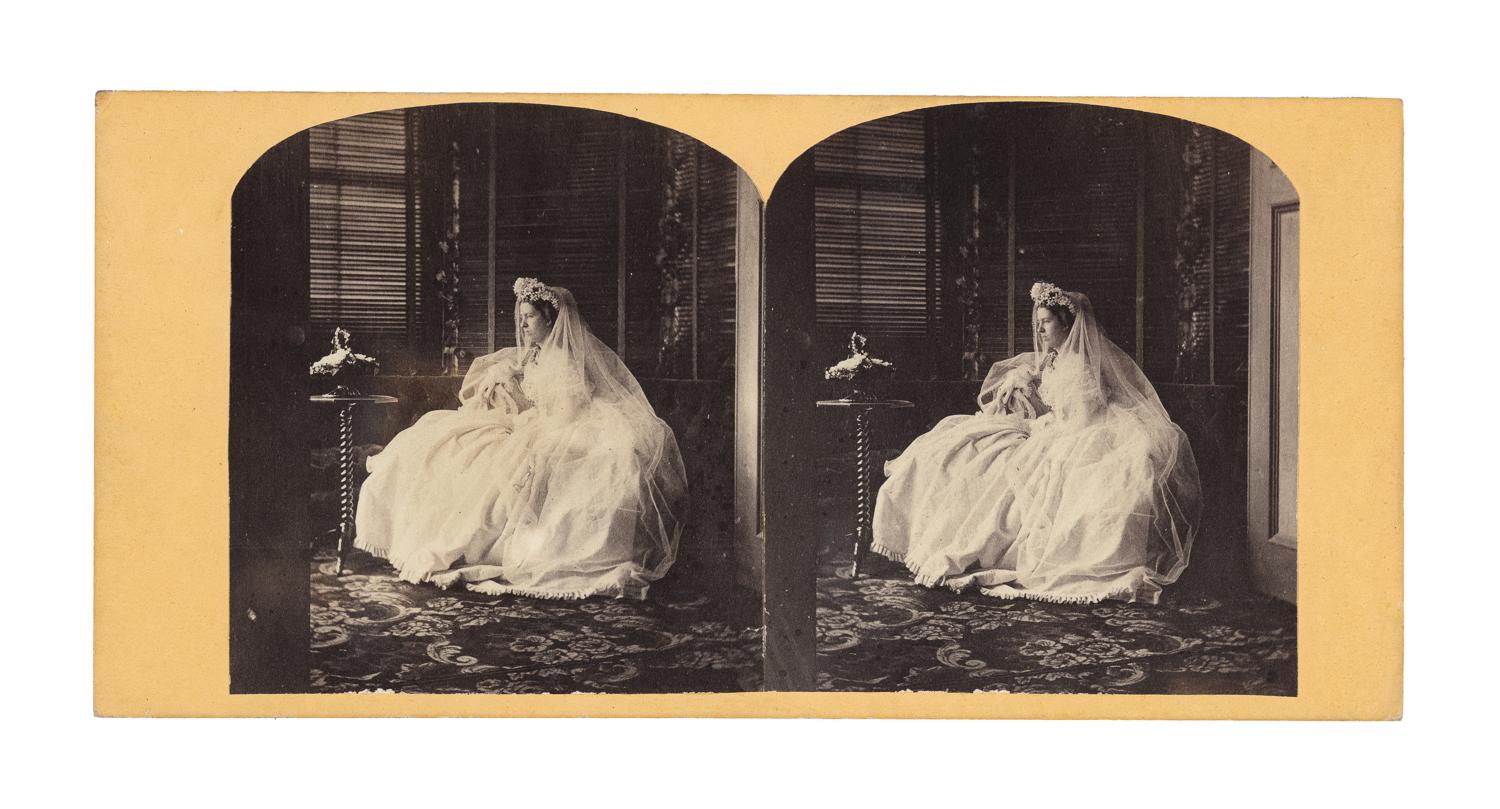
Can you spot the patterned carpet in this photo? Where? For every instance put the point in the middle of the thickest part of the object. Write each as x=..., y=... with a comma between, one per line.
x=372, y=631
x=883, y=632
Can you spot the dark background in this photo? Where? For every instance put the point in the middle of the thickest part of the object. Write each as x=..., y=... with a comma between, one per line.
x=408, y=228
x=925, y=231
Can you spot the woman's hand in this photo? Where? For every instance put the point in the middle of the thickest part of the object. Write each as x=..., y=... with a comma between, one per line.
x=1013, y=395
x=1019, y=378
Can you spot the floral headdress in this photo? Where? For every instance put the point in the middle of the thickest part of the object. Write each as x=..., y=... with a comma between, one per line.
x=532, y=290
x=1045, y=294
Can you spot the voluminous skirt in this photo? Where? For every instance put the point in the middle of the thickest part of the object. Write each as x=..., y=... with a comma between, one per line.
x=527, y=505
x=1040, y=508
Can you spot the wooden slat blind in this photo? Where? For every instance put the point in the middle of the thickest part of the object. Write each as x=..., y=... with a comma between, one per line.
x=556, y=199
x=874, y=225
x=1213, y=251
x=1231, y=260
x=364, y=215
x=1094, y=199
x=1165, y=212
x=1195, y=312
x=551, y=185
x=703, y=318
x=559, y=197
x=717, y=229
x=1075, y=216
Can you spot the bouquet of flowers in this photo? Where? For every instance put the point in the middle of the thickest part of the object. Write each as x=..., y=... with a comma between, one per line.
x=344, y=365
x=857, y=367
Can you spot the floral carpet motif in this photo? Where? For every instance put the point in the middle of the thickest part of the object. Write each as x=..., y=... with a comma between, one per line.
x=372, y=631
x=883, y=632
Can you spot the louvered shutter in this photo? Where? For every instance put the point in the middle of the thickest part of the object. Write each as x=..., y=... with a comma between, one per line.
x=1075, y=217
x=1231, y=260
x=364, y=216
x=875, y=226
x=702, y=268
x=556, y=208
x=1210, y=285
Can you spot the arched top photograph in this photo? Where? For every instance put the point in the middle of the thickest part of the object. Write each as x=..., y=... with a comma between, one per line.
x=634, y=401
x=487, y=354
x=403, y=204
x=1062, y=340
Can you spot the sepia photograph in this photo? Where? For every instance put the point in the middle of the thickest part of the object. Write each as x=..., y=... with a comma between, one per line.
x=989, y=404
x=483, y=415
x=1027, y=374
x=647, y=372
x=1036, y=371
x=643, y=372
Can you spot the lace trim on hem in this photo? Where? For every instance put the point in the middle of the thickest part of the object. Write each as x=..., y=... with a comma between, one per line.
x=551, y=595
x=405, y=573
x=924, y=579
x=1054, y=598
x=404, y=570
x=893, y=555
x=930, y=580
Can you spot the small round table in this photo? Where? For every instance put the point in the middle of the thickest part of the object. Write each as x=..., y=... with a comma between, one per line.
x=862, y=510
x=346, y=406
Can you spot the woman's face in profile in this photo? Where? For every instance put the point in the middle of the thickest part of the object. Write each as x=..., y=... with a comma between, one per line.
x=1050, y=330
x=534, y=324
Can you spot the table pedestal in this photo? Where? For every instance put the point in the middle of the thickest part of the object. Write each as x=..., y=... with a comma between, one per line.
x=346, y=406
x=863, y=490
x=346, y=484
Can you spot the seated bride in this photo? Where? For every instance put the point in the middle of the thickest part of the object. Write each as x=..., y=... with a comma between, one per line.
x=554, y=478
x=1070, y=484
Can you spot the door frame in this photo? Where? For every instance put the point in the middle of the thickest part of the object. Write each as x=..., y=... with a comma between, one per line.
x=1273, y=552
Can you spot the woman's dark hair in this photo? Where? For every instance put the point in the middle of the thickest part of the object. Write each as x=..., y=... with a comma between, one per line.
x=1063, y=314
x=548, y=310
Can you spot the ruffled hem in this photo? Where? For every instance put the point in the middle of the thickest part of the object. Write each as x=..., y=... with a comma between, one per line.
x=1054, y=598
x=1010, y=594
x=496, y=589
x=891, y=554
x=924, y=579
x=406, y=573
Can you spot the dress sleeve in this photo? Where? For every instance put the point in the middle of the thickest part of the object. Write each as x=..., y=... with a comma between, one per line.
x=1010, y=387
x=1004, y=379
x=1022, y=400
x=490, y=387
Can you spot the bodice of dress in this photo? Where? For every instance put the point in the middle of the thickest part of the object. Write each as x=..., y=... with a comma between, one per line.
x=552, y=386
x=1068, y=388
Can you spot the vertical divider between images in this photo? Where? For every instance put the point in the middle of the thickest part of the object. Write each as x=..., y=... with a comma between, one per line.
x=788, y=315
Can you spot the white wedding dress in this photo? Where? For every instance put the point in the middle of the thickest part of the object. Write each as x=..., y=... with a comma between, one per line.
x=553, y=479
x=1070, y=484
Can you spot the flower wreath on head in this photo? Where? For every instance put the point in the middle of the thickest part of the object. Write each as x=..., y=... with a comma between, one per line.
x=1045, y=294
x=532, y=290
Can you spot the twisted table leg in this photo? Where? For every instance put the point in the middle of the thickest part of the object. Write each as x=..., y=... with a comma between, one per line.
x=862, y=527
x=346, y=484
